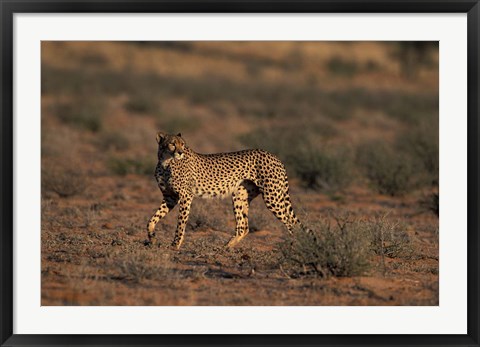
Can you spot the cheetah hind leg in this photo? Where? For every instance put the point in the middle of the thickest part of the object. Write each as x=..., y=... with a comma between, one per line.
x=292, y=219
x=281, y=208
x=245, y=193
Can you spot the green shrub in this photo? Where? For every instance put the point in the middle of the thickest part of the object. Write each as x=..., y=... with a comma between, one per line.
x=389, y=171
x=411, y=162
x=142, y=104
x=389, y=238
x=341, y=67
x=63, y=181
x=372, y=66
x=93, y=58
x=142, y=265
x=340, y=249
x=422, y=143
x=123, y=166
x=327, y=169
x=112, y=140
x=431, y=203
x=413, y=55
x=82, y=113
x=345, y=247
x=411, y=108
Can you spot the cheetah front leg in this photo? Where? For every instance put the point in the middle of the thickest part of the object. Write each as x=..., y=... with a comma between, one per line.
x=167, y=205
x=183, y=213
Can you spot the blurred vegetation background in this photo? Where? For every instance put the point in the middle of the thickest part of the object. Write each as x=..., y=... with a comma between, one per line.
x=339, y=114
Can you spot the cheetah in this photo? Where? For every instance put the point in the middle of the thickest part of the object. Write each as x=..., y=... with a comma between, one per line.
x=183, y=174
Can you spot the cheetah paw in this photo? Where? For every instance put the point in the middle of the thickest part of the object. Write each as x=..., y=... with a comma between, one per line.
x=232, y=242
x=174, y=247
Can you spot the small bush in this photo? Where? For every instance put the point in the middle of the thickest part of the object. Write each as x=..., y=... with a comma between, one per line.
x=123, y=166
x=142, y=104
x=389, y=171
x=423, y=144
x=340, y=249
x=413, y=55
x=345, y=247
x=143, y=265
x=64, y=182
x=431, y=203
x=341, y=67
x=86, y=114
x=389, y=238
x=112, y=140
x=412, y=109
x=322, y=170
x=372, y=66
x=93, y=58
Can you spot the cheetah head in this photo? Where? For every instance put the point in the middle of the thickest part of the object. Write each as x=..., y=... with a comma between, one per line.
x=170, y=146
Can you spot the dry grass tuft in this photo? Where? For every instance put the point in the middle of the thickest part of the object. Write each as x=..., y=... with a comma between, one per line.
x=346, y=246
x=389, y=171
x=142, y=265
x=65, y=182
x=389, y=238
x=338, y=249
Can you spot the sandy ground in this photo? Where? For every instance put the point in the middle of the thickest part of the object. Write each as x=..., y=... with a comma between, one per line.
x=93, y=254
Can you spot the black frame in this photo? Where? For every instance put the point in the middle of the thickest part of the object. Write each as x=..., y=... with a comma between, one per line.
x=9, y=7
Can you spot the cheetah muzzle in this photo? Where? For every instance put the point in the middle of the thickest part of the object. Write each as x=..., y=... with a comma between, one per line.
x=183, y=174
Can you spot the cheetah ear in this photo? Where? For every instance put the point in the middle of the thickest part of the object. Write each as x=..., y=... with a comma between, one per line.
x=179, y=134
x=160, y=136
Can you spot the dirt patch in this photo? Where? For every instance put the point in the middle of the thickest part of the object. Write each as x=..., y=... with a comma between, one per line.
x=93, y=254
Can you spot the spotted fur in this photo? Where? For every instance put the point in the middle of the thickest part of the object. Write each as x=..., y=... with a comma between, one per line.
x=183, y=174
